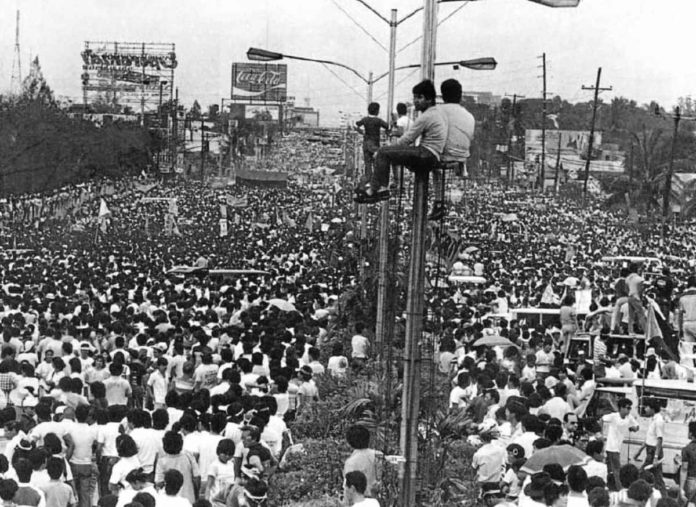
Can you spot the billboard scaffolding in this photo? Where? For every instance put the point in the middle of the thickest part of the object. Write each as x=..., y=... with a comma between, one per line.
x=134, y=75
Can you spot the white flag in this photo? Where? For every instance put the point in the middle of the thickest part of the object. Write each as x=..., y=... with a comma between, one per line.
x=103, y=209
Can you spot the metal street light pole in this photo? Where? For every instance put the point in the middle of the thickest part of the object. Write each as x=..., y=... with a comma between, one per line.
x=410, y=405
x=416, y=281
x=381, y=324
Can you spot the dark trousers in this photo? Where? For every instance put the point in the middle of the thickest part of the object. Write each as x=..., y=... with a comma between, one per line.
x=414, y=157
x=369, y=157
x=656, y=469
x=613, y=467
x=106, y=464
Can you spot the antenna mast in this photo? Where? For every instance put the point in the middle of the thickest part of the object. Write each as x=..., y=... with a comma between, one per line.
x=16, y=80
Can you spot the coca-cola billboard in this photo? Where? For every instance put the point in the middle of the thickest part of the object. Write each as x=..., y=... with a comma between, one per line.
x=259, y=82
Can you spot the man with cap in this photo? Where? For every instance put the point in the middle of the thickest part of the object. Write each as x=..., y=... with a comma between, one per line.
x=511, y=482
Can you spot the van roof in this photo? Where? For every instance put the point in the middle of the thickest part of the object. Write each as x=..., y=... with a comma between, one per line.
x=630, y=258
x=667, y=387
x=617, y=390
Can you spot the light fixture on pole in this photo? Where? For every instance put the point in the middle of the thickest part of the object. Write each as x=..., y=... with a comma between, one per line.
x=557, y=3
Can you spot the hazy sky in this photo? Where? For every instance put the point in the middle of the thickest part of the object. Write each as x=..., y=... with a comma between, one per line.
x=644, y=47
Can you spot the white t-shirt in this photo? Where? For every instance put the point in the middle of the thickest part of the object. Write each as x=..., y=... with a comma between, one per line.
x=488, y=462
x=360, y=346
x=122, y=468
x=206, y=374
x=222, y=474
x=163, y=500
x=367, y=502
x=107, y=435
x=337, y=365
x=207, y=451
x=83, y=436
x=656, y=429
x=458, y=397
x=597, y=468
x=158, y=385
x=148, y=446
x=617, y=430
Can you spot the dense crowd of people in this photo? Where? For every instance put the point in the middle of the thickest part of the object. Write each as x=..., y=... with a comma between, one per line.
x=123, y=383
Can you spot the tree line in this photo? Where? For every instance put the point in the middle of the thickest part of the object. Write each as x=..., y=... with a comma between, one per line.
x=43, y=147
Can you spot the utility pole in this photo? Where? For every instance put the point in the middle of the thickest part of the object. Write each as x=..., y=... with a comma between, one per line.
x=668, y=178
x=542, y=171
x=363, y=207
x=513, y=117
x=202, y=149
x=410, y=401
x=384, y=279
x=590, y=142
x=174, y=151
x=558, y=163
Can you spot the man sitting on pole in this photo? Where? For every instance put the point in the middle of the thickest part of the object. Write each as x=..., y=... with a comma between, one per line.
x=431, y=126
x=460, y=132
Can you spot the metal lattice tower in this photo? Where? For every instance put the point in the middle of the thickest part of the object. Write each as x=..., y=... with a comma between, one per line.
x=16, y=80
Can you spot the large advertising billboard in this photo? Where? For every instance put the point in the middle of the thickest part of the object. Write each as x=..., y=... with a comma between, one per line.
x=259, y=82
x=134, y=75
x=573, y=142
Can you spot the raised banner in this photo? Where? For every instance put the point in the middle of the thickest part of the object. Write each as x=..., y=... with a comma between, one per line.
x=223, y=227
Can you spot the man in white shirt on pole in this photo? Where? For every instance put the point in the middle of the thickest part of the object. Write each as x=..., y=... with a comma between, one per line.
x=618, y=424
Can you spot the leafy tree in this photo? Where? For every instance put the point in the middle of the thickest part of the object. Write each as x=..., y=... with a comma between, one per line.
x=196, y=111
x=34, y=86
x=213, y=112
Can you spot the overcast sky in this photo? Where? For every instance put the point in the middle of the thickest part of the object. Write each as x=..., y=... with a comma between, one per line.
x=643, y=46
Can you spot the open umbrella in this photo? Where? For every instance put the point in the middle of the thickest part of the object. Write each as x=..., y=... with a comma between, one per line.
x=471, y=249
x=282, y=304
x=493, y=341
x=564, y=455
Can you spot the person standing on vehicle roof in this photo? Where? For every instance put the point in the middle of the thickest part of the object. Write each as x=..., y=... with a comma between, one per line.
x=654, y=439
x=618, y=425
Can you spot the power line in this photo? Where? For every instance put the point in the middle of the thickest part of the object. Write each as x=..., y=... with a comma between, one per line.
x=344, y=82
x=400, y=82
x=455, y=11
x=360, y=26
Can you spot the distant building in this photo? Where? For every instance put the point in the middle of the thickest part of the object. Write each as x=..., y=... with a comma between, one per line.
x=607, y=158
x=486, y=98
x=298, y=116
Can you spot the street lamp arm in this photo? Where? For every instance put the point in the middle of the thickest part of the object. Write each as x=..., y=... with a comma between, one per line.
x=329, y=62
x=407, y=16
x=477, y=64
x=374, y=11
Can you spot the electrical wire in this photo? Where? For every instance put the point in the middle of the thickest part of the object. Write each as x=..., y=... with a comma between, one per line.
x=344, y=82
x=360, y=26
x=438, y=24
x=401, y=81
